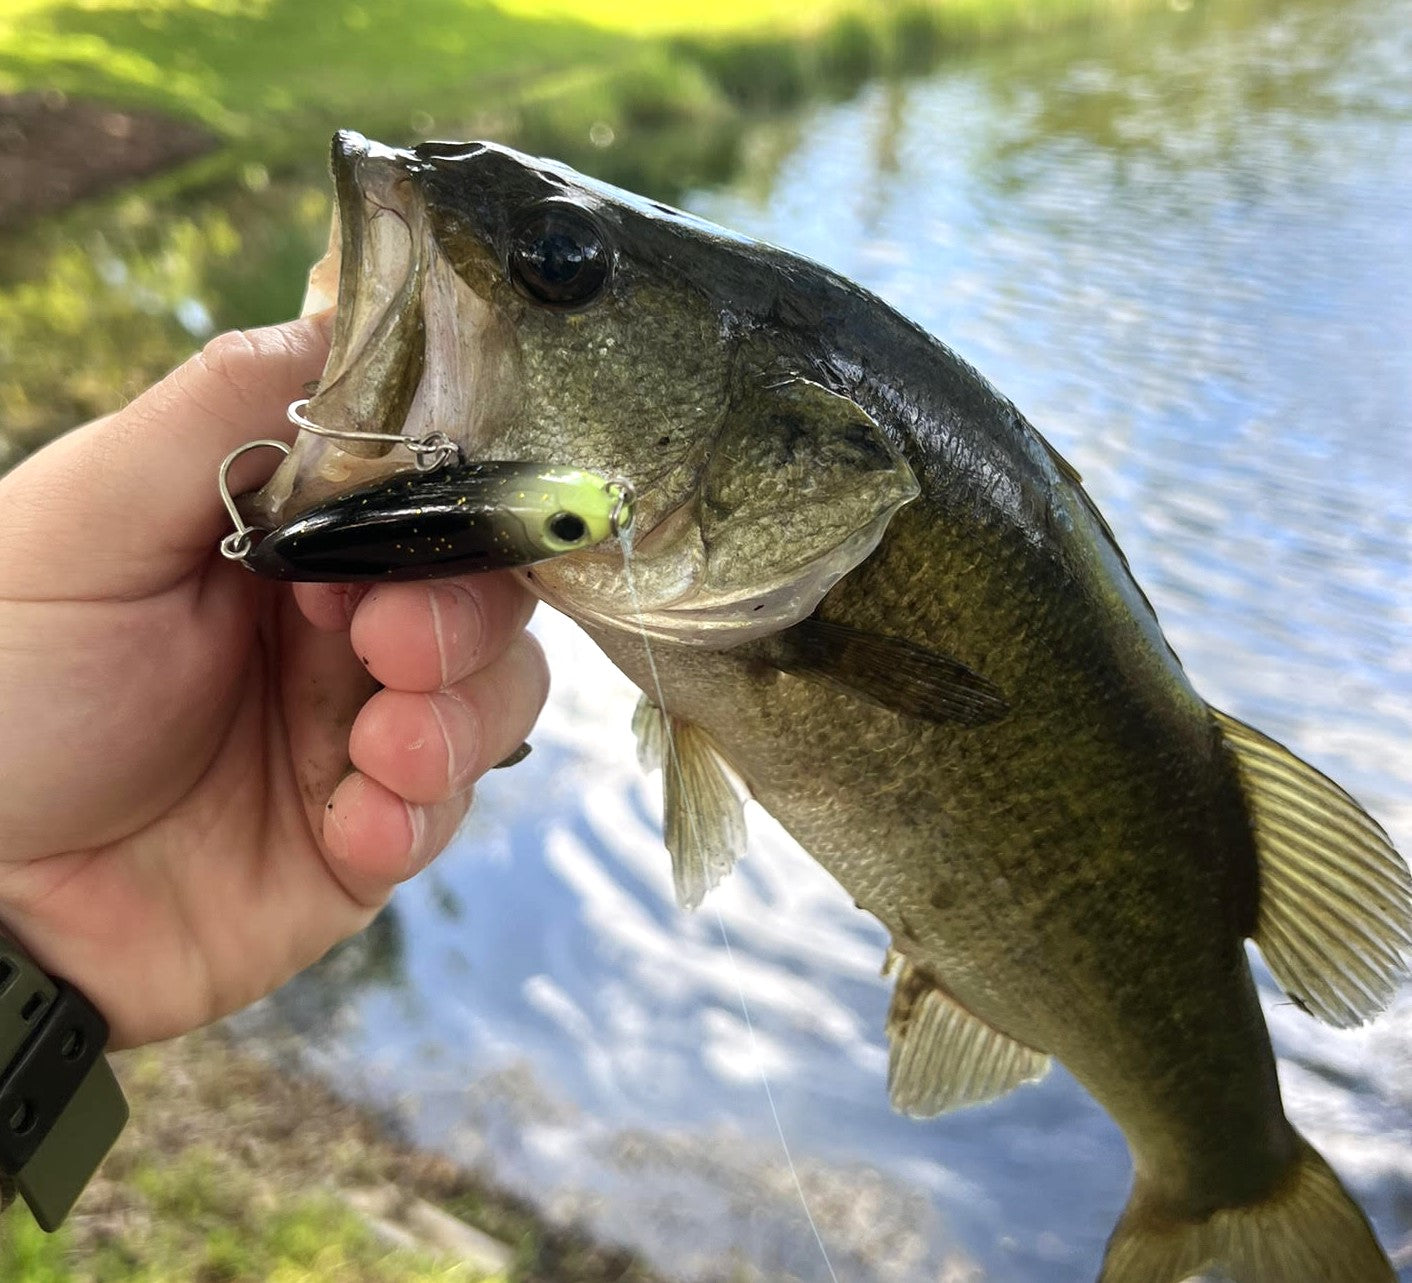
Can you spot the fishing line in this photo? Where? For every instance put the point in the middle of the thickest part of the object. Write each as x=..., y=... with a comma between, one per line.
x=670, y=762
x=770, y=1095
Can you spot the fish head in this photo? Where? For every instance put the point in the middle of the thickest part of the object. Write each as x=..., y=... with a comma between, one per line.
x=528, y=312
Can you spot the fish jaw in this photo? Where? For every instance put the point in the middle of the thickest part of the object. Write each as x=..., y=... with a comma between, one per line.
x=412, y=344
x=659, y=380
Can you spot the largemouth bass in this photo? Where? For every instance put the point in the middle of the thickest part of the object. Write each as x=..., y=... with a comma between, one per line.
x=883, y=606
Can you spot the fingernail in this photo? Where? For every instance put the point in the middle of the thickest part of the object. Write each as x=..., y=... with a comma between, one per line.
x=321, y=323
x=440, y=604
x=456, y=625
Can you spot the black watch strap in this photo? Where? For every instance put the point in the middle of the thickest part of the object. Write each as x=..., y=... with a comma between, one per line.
x=61, y=1108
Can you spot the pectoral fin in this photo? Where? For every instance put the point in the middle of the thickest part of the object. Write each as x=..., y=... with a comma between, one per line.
x=1335, y=897
x=888, y=671
x=703, y=811
x=941, y=1057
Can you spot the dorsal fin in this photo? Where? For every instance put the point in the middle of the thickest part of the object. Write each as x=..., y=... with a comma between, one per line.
x=941, y=1057
x=1335, y=897
x=703, y=811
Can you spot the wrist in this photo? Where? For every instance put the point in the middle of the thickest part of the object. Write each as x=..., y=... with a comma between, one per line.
x=61, y=1109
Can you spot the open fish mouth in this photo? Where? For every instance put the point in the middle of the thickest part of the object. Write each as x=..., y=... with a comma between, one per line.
x=374, y=272
x=411, y=342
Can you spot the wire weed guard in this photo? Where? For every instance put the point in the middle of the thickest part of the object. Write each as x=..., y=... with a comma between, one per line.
x=236, y=546
x=436, y=450
x=61, y=1108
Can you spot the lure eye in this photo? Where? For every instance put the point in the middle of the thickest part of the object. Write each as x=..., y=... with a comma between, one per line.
x=560, y=257
x=567, y=527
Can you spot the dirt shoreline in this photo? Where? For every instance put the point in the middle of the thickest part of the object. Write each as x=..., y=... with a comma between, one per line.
x=222, y=1146
x=56, y=150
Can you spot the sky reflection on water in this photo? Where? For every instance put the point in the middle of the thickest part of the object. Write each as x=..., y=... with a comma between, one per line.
x=1183, y=250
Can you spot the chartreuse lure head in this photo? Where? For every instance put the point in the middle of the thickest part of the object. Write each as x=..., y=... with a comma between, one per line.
x=452, y=520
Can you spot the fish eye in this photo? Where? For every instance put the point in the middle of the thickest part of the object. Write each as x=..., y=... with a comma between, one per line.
x=559, y=256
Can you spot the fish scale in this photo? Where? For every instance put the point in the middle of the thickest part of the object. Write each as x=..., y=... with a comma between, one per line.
x=882, y=605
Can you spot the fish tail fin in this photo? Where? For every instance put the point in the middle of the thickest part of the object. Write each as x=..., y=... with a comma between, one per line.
x=1308, y=1230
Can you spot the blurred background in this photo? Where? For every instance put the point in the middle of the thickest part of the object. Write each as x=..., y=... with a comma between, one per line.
x=1178, y=234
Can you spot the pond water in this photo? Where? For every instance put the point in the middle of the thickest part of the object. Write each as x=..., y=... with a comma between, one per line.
x=1183, y=246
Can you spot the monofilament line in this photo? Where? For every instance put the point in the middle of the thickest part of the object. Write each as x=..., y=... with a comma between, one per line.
x=770, y=1096
x=669, y=763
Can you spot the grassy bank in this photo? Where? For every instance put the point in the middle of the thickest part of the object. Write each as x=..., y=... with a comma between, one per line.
x=266, y=76
x=97, y=301
x=231, y=1172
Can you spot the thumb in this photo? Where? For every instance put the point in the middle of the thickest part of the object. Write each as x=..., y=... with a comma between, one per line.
x=128, y=504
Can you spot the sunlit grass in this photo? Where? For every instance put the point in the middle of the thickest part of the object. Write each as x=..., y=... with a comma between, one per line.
x=202, y=1217
x=787, y=17
x=673, y=16
x=233, y=1172
x=256, y=70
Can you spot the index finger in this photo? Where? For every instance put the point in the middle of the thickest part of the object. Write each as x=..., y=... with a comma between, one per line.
x=428, y=636
x=126, y=503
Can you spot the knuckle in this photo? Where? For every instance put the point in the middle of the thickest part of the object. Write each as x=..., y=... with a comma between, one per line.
x=227, y=374
x=230, y=360
x=217, y=379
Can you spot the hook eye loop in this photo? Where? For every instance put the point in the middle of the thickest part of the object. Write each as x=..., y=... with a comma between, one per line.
x=624, y=497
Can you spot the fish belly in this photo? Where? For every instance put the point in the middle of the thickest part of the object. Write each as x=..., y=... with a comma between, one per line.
x=1066, y=890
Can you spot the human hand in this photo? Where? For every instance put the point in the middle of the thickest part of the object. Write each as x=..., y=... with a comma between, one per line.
x=179, y=828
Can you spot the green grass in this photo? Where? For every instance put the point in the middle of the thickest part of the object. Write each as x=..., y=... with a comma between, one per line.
x=658, y=97
x=232, y=1172
x=253, y=69
x=204, y=1218
x=129, y=288
x=270, y=74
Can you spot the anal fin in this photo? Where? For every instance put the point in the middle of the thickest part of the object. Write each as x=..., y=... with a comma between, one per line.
x=1335, y=897
x=941, y=1057
x=703, y=807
